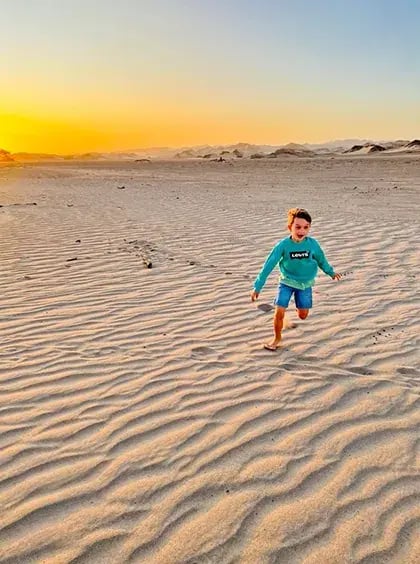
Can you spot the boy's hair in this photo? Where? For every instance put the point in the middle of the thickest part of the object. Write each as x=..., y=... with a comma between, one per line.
x=297, y=212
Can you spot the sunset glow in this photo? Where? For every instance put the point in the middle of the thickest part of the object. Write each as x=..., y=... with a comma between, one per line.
x=97, y=76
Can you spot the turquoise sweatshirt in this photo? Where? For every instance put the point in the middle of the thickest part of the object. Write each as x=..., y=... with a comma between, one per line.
x=298, y=263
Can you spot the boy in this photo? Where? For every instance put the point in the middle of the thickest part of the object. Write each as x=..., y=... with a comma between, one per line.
x=298, y=257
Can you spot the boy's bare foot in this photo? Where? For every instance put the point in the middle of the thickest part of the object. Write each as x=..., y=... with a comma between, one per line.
x=273, y=346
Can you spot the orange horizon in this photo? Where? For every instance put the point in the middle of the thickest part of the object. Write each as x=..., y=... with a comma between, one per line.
x=129, y=130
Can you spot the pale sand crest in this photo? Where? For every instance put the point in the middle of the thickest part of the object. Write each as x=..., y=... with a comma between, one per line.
x=140, y=419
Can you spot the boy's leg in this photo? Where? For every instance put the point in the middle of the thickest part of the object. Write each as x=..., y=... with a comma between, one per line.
x=281, y=302
x=303, y=313
x=303, y=300
x=277, y=328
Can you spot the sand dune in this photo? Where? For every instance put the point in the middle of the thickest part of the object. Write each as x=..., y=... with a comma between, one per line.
x=140, y=419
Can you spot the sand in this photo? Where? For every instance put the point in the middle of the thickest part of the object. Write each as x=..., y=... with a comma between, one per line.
x=140, y=418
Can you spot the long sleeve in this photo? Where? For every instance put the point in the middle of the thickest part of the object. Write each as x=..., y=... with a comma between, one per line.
x=323, y=264
x=272, y=260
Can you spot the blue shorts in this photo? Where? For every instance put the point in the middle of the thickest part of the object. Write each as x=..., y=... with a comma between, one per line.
x=303, y=298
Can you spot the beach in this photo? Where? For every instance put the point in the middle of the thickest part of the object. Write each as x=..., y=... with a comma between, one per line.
x=140, y=418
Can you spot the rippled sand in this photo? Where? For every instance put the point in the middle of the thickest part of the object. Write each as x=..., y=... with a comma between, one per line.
x=140, y=418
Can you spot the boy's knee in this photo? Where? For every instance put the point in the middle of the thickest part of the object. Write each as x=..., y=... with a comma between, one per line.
x=280, y=311
x=303, y=313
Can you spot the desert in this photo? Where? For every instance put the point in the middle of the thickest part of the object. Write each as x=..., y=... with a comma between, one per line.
x=140, y=418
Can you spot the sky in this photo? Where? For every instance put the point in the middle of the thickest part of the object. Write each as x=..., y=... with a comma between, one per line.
x=107, y=75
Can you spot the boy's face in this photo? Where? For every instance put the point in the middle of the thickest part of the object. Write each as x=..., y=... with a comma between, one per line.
x=299, y=229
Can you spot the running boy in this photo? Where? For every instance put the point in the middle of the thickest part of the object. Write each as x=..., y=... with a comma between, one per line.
x=298, y=257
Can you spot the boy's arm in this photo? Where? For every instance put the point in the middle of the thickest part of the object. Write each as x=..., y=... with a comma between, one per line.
x=323, y=264
x=271, y=261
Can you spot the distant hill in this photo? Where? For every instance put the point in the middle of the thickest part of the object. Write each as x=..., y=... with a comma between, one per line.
x=34, y=157
x=238, y=150
x=365, y=149
x=404, y=147
x=292, y=149
x=415, y=144
x=336, y=146
x=5, y=156
x=117, y=156
x=188, y=154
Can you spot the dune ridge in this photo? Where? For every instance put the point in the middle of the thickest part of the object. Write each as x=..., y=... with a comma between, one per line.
x=140, y=419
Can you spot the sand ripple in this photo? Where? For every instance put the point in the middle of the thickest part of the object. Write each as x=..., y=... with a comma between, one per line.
x=141, y=421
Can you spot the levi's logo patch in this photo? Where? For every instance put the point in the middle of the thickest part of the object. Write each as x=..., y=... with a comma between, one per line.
x=299, y=254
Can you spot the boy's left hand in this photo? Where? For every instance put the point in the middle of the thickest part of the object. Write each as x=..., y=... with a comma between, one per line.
x=337, y=276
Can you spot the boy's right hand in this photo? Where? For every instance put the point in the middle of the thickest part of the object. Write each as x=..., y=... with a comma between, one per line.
x=254, y=295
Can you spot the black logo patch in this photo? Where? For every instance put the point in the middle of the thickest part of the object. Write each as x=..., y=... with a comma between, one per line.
x=299, y=254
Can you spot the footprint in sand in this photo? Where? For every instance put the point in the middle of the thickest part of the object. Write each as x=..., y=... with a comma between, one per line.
x=359, y=370
x=407, y=371
x=288, y=324
x=265, y=307
x=95, y=353
x=202, y=352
